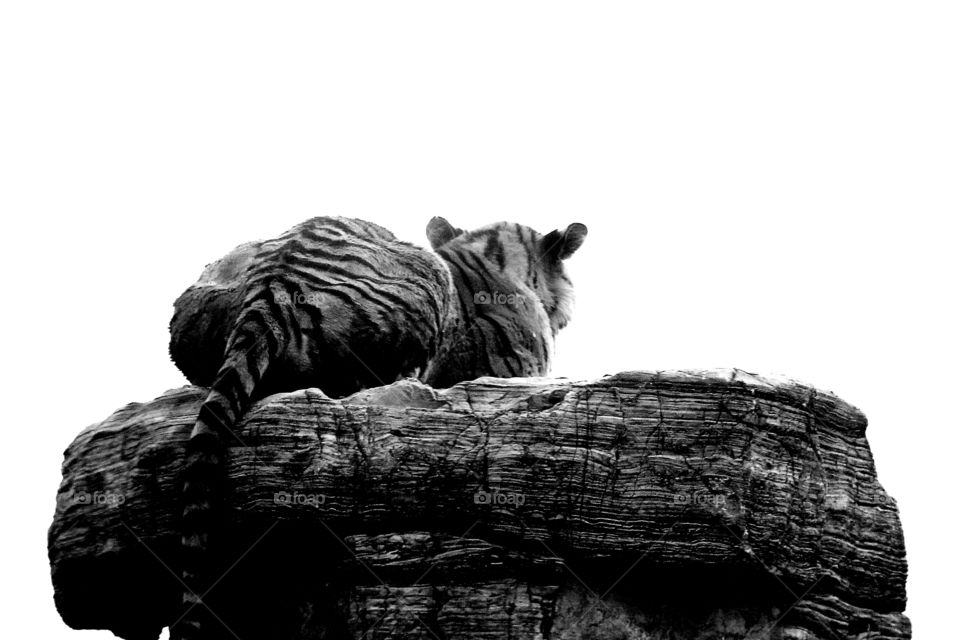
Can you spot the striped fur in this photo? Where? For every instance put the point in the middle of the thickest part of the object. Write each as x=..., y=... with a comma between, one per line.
x=342, y=305
x=513, y=296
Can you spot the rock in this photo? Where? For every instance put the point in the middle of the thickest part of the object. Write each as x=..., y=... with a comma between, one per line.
x=641, y=505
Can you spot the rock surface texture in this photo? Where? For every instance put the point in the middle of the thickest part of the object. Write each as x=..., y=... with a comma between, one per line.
x=681, y=505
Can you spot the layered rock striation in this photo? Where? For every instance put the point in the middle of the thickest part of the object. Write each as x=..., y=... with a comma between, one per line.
x=641, y=505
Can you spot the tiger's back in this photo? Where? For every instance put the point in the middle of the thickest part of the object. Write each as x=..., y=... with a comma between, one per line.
x=355, y=307
x=359, y=298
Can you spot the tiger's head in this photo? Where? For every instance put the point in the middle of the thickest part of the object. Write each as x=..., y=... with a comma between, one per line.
x=518, y=256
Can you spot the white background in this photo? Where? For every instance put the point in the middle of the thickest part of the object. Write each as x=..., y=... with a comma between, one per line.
x=768, y=188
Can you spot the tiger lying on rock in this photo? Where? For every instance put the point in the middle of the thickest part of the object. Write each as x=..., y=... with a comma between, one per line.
x=342, y=305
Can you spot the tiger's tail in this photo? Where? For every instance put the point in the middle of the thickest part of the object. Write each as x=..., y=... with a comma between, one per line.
x=254, y=344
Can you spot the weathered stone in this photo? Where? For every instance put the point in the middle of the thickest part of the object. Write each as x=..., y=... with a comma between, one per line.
x=642, y=505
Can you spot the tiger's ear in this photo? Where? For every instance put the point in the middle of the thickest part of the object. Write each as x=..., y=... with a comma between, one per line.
x=440, y=232
x=563, y=245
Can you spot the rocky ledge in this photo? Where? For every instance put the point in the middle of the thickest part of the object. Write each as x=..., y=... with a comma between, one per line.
x=642, y=505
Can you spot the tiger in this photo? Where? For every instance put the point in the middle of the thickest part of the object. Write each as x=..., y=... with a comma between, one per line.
x=340, y=304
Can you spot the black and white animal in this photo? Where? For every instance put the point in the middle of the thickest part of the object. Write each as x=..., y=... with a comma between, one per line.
x=342, y=305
